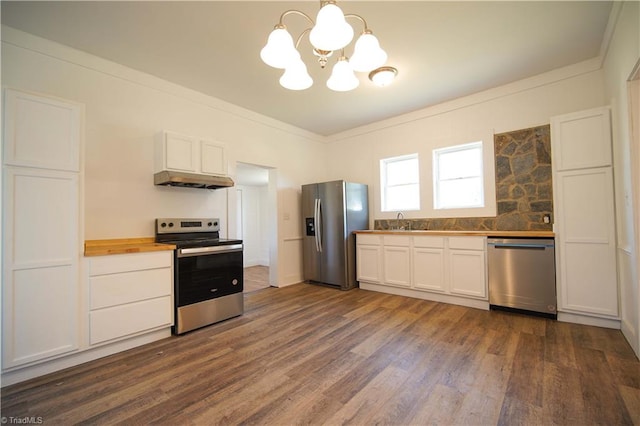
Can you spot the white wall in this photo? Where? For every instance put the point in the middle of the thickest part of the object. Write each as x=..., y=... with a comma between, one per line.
x=524, y=104
x=125, y=109
x=619, y=66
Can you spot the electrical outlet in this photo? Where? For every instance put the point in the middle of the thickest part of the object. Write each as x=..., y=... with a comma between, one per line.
x=546, y=218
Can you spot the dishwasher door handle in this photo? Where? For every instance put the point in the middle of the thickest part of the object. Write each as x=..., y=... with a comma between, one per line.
x=521, y=246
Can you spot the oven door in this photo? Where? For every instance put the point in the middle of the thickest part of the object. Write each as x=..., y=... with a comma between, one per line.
x=205, y=273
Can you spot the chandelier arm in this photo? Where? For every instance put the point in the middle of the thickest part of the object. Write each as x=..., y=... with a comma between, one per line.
x=302, y=35
x=300, y=13
x=296, y=12
x=353, y=15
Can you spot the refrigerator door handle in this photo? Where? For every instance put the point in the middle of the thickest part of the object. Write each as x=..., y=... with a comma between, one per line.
x=318, y=225
x=315, y=223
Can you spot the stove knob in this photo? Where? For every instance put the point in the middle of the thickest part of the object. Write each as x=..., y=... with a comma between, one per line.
x=210, y=224
x=163, y=225
x=170, y=224
x=215, y=223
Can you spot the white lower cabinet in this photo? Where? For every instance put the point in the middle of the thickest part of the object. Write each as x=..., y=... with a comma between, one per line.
x=369, y=258
x=449, y=268
x=467, y=266
x=467, y=273
x=396, y=256
x=429, y=264
x=129, y=294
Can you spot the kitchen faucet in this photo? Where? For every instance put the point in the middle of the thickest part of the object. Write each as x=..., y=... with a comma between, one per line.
x=398, y=217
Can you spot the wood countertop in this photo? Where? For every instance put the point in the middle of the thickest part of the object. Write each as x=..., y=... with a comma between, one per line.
x=511, y=234
x=123, y=246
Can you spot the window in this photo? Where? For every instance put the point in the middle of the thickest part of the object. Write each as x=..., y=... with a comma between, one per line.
x=458, y=177
x=400, y=183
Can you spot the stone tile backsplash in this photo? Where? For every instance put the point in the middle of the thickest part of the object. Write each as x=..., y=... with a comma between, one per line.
x=524, y=193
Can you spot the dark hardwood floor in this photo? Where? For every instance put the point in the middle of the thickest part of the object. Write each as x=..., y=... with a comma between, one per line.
x=307, y=354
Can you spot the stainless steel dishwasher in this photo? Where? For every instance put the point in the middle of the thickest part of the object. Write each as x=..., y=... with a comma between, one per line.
x=522, y=275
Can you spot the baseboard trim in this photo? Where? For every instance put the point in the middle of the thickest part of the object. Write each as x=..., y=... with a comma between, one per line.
x=435, y=297
x=589, y=320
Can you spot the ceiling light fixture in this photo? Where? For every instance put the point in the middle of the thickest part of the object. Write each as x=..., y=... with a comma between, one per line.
x=383, y=76
x=329, y=33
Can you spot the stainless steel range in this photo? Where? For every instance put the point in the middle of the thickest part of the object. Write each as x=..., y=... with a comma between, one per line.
x=208, y=272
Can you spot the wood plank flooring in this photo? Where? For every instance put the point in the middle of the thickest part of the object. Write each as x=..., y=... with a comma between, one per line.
x=307, y=354
x=256, y=278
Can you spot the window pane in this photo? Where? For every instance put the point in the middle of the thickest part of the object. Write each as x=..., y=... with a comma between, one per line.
x=405, y=197
x=400, y=183
x=460, y=193
x=458, y=179
x=403, y=171
x=462, y=163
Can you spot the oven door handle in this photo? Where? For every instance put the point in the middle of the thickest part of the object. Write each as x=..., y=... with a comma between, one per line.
x=198, y=251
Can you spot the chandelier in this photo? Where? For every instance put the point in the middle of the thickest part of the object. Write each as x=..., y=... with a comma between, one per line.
x=328, y=34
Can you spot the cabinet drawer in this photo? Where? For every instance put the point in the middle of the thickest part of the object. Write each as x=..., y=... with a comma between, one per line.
x=117, y=289
x=396, y=240
x=467, y=243
x=428, y=241
x=129, y=262
x=119, y=321
x=368, y=239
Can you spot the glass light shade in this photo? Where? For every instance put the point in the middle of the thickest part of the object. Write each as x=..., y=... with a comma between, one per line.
x=331, y=31
x=367, y=54
x=279, y=50
x=342, y=77
x=383, y=76
x=296, y=77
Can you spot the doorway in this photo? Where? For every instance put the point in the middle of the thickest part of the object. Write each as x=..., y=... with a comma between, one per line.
x=255, y=216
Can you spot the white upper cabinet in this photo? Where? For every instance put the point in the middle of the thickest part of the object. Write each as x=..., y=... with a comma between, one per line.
x=180, y=153
x=212, y=158
x=582, y=140
x=189, y=154
x=41, y=132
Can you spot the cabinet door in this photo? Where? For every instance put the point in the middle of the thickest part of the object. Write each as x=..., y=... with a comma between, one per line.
x=212, y=158
x=368, y=262
x=581, y=140
x=181, y=152
x=41, y=132
x=467, y=273
x=41, y=272
x=397, y=269
x=428, y=269
x=586, y=248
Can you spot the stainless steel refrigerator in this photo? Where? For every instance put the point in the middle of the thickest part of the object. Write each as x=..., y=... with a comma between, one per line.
x=331, y=212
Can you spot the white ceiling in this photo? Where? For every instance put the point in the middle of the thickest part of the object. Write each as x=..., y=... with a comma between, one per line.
x=443, y=50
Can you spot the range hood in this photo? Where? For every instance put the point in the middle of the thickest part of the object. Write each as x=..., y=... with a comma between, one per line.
x=191, y=180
